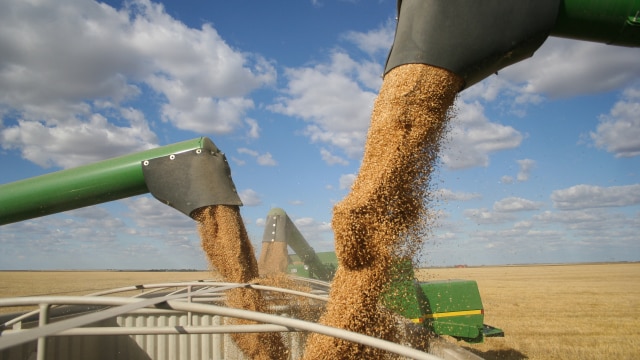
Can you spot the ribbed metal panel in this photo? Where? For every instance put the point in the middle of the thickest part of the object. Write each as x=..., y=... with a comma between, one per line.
x=176, y=347
x=148, y=347
x=192, y=346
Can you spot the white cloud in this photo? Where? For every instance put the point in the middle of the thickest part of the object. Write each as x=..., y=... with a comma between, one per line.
x=485, y=216
x=68, y=235
x=595, y=227
x=70, y=66
x=589, y=196
x=523, y=225
x=507, y=179
x=374, y=41
x=332, y=159
x=314, y=232
x=449, y=195
x=560, y=68
x=77, y=142
x=487, y=90
x=472, y=138
x=307, y=223
x=526, y=165
x=250, y=197
x=511, y=204
x=574, y=218
x=564, y=68
x=346, y=181
x=237, y=161
x=619, y=131
x=205, y=114
x=446, y=236
x=203, y=78
x=254, y=128
x=332, y=100
x=265, y=159
x=149, y=213
x=248, y=152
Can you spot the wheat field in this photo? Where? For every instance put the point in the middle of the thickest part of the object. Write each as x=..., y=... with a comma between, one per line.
x=587, y=311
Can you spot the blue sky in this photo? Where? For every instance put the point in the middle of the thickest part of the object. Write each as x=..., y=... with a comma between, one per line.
x=541, y=163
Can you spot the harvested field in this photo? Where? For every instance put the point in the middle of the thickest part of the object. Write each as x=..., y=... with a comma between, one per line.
x=71, y=283
x=36, y=283
x=547, y=312
x=557, y=312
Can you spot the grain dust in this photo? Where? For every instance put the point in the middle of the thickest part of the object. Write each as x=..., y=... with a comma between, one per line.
x=274, y=258
x=225, y=241
x=384, y=215
x=382, y=219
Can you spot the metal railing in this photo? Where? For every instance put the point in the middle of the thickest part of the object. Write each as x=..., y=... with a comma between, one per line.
x=201, y=297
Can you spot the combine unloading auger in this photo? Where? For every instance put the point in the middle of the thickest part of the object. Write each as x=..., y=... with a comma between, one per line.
x=186, y=176
x=279, y=234
x=475, y=39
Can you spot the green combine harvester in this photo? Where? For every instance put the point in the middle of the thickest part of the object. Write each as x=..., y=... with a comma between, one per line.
x=444, y=307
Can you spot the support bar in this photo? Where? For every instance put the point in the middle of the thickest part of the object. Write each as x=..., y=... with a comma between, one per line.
x=164, y=330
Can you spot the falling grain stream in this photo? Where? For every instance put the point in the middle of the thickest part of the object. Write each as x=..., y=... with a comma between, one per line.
x=226, y=243
x=384, y=215
x=381, y=219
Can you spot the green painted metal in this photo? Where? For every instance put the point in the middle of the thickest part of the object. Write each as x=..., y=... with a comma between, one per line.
x=475, y=39
x=452, y=295
x=403, y=295
x=298, y=268
x=454, y=308
x=445, y=307
x=91, y=184
x=614, y=22
x=286, y=230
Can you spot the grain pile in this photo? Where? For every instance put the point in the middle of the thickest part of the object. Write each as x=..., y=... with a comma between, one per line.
x=384, y=215
x=226, y=243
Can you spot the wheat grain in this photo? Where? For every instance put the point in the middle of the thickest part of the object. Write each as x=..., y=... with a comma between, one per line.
x=383, y=216
x=225, y=242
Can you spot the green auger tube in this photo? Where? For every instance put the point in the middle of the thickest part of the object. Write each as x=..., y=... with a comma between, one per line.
x=475, y=39
x=185, y=175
